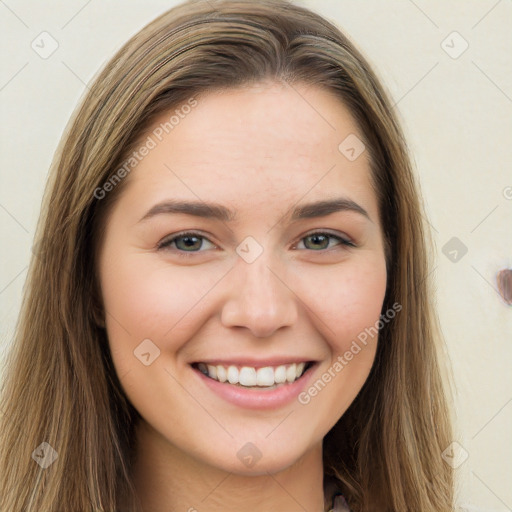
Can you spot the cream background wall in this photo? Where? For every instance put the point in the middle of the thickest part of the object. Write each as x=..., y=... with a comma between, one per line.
x=456, y=108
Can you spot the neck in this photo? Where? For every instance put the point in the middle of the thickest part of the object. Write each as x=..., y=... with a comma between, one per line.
x=168, y=480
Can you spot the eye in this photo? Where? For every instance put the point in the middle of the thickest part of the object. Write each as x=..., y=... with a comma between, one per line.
x=188, y=242
x=191, y=242
x=321, y=240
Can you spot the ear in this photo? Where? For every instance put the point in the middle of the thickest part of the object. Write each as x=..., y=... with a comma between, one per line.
x=97, y=309
x=98, y=314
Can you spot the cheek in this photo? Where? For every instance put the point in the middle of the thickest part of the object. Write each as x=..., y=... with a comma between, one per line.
x=147, y=298
x=346, y=299
x=348, y=308
x=152, y=299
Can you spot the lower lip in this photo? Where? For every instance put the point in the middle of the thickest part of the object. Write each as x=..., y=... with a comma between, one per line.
x=252, y=398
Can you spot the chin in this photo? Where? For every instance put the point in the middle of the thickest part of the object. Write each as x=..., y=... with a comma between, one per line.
x=259, y=458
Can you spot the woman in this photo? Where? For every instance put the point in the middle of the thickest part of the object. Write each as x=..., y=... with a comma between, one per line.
x=228, y=306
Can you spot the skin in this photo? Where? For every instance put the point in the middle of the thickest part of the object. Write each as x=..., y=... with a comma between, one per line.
x=260, y=150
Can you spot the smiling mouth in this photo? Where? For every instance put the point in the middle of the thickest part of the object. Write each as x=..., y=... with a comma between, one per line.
x=257, y=378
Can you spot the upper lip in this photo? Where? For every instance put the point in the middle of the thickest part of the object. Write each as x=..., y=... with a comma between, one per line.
x=255, y=363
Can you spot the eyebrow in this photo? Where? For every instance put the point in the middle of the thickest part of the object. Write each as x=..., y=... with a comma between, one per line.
x=220, y=212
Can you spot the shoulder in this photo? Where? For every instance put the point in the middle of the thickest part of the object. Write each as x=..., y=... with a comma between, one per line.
x=340, y=504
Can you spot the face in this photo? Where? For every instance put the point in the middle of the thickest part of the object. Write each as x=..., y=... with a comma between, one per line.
x=209, y=309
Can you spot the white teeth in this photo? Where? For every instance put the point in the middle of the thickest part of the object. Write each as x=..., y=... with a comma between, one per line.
x=280, y=374
x=250, y=377
x=247, y=376
x=222, y=375
x=233, y=375
x=265, y=376
x=291, y=372
x=212, y=371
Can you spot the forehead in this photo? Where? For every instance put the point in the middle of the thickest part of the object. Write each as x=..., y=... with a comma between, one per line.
x=251, y=145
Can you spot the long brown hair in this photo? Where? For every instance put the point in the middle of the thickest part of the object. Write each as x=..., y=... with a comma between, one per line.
x=60, y=386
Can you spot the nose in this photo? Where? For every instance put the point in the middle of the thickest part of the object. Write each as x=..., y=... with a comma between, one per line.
x=259, y=299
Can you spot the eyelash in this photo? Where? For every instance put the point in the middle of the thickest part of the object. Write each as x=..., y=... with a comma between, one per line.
x=164, y=245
